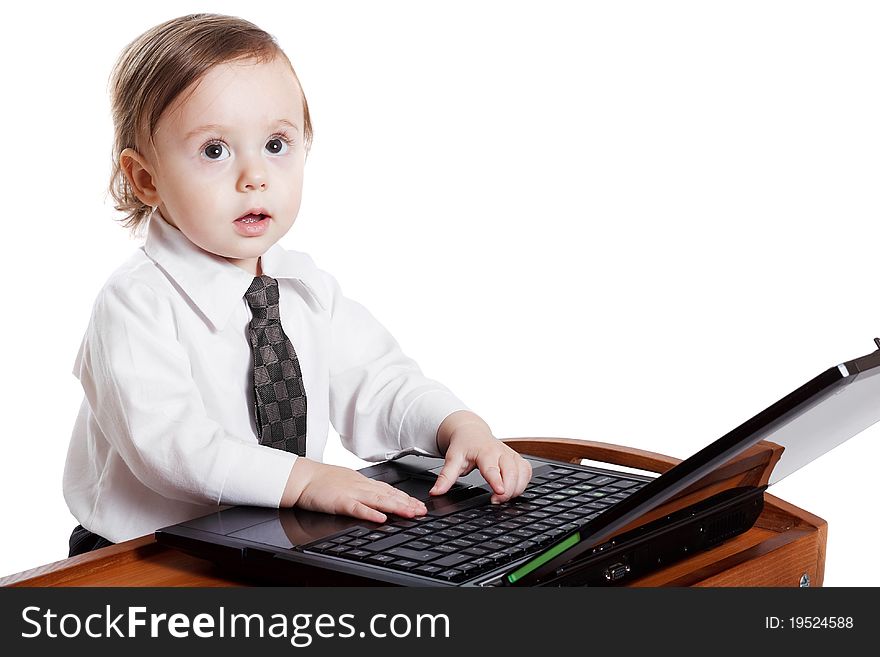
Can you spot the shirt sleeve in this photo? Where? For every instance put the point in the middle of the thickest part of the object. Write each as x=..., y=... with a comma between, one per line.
x=137, y=380
x=381, y=404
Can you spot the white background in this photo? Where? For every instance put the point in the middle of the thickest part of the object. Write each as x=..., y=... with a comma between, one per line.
x=635, y=222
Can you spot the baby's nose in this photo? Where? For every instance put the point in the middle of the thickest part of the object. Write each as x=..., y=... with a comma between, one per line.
x=252, y=177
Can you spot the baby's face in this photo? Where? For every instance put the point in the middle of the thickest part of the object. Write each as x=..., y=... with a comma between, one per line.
x=233, y=146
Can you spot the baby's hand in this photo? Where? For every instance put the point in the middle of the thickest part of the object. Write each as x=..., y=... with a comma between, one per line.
x=470, y=443
x=334, y=489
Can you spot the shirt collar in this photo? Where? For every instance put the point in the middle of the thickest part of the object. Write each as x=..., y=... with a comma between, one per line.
x=213, y=284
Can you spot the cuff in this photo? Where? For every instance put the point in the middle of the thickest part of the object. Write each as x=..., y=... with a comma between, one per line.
x=256, y=476
x=418, y=428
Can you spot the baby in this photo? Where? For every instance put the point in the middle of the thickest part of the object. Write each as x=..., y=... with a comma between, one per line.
x=214, y=359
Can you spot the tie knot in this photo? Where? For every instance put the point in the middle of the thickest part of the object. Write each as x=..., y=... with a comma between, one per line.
x=262, y=297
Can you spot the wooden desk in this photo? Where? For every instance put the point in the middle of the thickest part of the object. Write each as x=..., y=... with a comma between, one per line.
x=786, y=544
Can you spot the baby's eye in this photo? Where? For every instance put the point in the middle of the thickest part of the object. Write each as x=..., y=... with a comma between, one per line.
x=215, y=151
x=277, y=145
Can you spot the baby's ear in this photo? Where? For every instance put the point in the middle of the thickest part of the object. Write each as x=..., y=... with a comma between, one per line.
x=139, y=174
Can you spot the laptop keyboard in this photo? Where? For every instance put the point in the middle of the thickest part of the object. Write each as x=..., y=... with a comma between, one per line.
x=462, y=544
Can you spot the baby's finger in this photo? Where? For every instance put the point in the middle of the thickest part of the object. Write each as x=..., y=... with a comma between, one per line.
x=509, y=476
x=492, y=475
x=452, y=467
x=401, y=505
x=387, y=489
x=358, y=509
x=513, y=485
x=525, y=474
x=490, y=467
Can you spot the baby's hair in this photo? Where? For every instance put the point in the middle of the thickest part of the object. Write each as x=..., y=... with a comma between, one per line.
x=155, y=68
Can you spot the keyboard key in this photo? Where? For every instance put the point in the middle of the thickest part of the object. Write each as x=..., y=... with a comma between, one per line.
x=498, y=557
x=476, y=551
x=451, y=560
x=357, y=554
x=468, y=567
x=452, y=575
x=403, y=564
x=414, y=555
x=493, y=546
x=388, y=542
x=601, y=480
x=507, y=526
x=542, y=539
x=427, y=570
x=418, y=545
x=513, y=511
x=525, y=532
x=450, y=533
x=380, y=559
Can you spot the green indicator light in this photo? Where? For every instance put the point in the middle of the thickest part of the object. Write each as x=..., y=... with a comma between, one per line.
x=540, y=560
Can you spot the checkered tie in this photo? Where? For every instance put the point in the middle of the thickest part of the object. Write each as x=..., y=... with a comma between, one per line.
x=279, y=394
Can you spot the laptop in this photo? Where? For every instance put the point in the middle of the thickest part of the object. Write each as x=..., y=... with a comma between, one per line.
x=574, y=525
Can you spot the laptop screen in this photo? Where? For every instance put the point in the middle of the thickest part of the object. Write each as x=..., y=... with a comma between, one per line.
x=813, y=419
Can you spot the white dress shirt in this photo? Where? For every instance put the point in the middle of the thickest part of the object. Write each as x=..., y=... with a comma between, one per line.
x=166, y=430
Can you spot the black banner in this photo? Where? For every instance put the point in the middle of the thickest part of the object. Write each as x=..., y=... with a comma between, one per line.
x=283, y=621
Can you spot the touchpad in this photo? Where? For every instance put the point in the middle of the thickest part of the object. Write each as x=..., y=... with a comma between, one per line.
x=416, y=487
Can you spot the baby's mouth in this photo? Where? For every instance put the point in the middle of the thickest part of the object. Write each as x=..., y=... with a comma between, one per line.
x=252, y=218
x=253, y=224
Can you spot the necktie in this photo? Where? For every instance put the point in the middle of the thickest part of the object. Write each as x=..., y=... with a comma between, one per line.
x=279, y=394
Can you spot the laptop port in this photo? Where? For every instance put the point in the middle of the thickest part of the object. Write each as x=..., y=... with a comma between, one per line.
x=616, y=572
